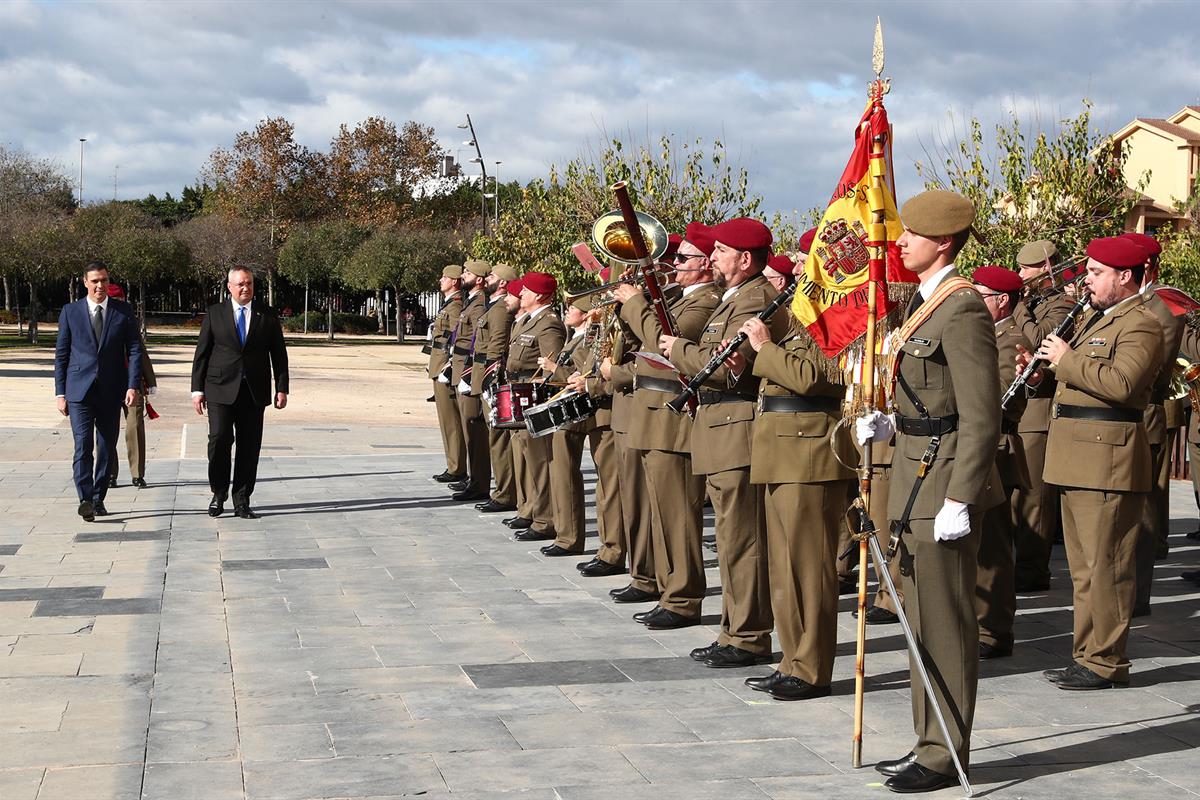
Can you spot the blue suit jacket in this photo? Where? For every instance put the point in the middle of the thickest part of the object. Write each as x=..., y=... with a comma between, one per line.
x=112, y=366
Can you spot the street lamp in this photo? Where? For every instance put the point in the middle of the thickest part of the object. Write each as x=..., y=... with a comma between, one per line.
x=474, y=142
x=496, y=204
x=81, y=141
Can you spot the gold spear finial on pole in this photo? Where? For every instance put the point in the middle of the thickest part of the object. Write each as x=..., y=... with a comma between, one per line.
x=877, y=50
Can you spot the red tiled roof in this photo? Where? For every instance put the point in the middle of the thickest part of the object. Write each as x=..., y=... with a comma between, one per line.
x=1187, y=134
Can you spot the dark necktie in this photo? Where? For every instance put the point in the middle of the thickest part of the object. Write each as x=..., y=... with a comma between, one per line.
x=98, y=323
x=241, y=325
x=914, y=304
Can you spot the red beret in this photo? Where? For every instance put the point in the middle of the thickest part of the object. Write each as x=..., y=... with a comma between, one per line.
x=540, y=282
x=700, y=236
x=743, y=233
x=781, y=264
x=116, y=291
x=1071, y=273
x=514, y=287
x=998, y=279
x=1146, y=242
x=1117, y=252
x=806, y=240
x=604, y=273
x=673, y=242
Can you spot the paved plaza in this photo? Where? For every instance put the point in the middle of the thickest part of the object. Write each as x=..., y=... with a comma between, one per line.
x=369, y=638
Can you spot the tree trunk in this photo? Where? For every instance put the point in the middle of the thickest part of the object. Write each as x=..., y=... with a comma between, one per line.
x=399, y=316
x=142, y=306
x=8, y=303
x=306, y=305
x=33, y=314
x=379, y=312
x=329, y=317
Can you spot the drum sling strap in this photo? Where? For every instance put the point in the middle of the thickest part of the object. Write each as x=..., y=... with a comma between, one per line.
x=900, y=526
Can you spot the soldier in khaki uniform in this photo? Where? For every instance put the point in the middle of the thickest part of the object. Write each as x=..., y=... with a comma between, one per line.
x=1099, y=457
x=995, y=588
x=806, y=493
x=1160, y=431
x=491, y=349
x=661, y=438
x=135, y=418
x=443, y=332
x=946, y=379
x=538, y=334
x=470, y=403
x=721, y=436
x=1035, y=510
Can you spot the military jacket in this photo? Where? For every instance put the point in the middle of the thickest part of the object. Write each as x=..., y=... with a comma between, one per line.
x=950, y=363
x=541, y=336
x=1010, y=454
x=795, y=447
x=1156, y=420
x=1036, y=326
x=467, y=341
x=722, y=432
x=442, y=332
x=491, y=340
x=1189, y=348
x=1113, y=360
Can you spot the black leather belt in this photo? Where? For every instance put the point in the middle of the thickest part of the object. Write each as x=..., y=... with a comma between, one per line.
x=927, y=426
x=657, y=385
x=427, y=350
x=462, y=351
x=709, y=397
x=1101, y=414
x=797, y=404
x=1008, y=427
x=480, y=358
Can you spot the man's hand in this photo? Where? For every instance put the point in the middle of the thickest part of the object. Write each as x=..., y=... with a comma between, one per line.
x=131, y=396
x=546, y=363
x=952, y=522
x=624, y=293
x=1052, y=349
x=280, y=400
x=735, y=361
x=577, y=383
x=199, y=403
x=1023, y=359
x=606, y=369
x=666, y=343
x=756, y=332
x=874, y=427
x=62, y=406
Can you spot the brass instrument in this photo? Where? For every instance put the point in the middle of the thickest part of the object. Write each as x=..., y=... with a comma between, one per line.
x=612, y=236
x=571, y=297
x=1185, y=382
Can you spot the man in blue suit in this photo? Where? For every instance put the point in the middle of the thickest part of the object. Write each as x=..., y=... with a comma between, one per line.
x=97, y=366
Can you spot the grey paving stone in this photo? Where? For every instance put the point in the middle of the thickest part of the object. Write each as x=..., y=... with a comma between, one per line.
x=676, y=669
x=524, y=769
x=575, y=729
x=342, y=778
x=285, y=742
x=209, y=780
x=110, y=782
x=434, y=703
x=421, y=736
x=20, y=784
x=70, y=607
x=9, y=549
x=737, y=789
x=51, y=593
x=554, y=673
x=666, y=763
x=273, y=564
x=202, y=734
x=124, y=536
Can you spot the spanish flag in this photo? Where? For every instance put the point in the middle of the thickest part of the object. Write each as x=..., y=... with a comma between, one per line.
x=831, y=297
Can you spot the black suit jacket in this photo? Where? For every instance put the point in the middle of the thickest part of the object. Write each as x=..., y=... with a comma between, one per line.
x=221, y=360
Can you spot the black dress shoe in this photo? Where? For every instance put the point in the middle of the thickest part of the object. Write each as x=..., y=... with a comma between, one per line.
x=1056, y=675
x=763, y=683
x=1193, y=535
x=1141, y=610
x=491, y=507
x=554, y=551
x=1083, y=679
x=600, y=569
x=1026, y=585
x=896, y=765
x=468, y=494
x=632, y=594
x=534, y=535
x=139, y=483
x=244, y=512
x=459, y=486
x=664, y=619
x=98, y=509
x=619, y=589
x=701, y=653
x=916, y=778
x=112, y=483
x=847, y=586
x=641, y=615
x=447, y=477
x=792, y=688
x=987, y=651
x=87, y=511
x=518, y=523
x=1192, y=576
x=881, y=616
x=728, y=657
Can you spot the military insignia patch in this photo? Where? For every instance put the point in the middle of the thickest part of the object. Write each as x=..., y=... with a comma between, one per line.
x=919, y=340
x=1097, y=341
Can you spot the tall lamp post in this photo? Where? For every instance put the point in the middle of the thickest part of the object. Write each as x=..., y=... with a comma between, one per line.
x=482, y=169
x=496, y=204
x=81, y=142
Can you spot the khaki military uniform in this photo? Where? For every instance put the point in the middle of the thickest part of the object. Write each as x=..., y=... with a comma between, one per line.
x=1189, y=348
x=661, y=438
x=1035, y=510
x=602, y=442
x=444, y=331
x=1102, y=467
x=995, y=582
x=566, y=458
x=806, y=490
x=1156, y=516
x=470, y=405
x=949, y=362
x=636, y=510
x=533, y=336
x=721, y=443
x=491, y=347
x=135, y=425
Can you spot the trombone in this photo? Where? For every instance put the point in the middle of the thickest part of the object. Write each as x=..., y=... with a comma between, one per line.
x=663, y=277
x=612, y=237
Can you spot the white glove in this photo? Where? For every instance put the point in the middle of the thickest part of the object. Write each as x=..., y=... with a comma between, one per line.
x=441, y=378
x=464, y=387
x=874, y=427
x=952, y=522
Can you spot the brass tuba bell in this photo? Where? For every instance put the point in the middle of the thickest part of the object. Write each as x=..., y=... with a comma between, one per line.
x=613, y=240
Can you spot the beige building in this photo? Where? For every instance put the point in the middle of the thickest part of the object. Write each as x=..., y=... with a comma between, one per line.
x=1169, y=150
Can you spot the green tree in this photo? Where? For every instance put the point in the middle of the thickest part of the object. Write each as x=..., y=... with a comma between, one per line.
x=140, y=254
x=1064, y=185
x=31, y=189
x=319, y=253
x=1180, y=258
x=676, y=182
x=372, y=171
x=38, y=247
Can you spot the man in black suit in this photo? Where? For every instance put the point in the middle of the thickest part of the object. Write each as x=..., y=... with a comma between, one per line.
x=97, y=365
x=240, y=346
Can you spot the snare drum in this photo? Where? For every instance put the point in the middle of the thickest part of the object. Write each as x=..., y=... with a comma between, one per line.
x=511, y=402
x=544, y=419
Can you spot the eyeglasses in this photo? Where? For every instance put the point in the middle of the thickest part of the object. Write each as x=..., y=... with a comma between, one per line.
x=680, y=258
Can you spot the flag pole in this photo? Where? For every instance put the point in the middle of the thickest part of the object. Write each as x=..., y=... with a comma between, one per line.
x=877, y=279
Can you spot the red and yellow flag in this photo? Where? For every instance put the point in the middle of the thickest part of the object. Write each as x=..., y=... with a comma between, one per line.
x=831, y=298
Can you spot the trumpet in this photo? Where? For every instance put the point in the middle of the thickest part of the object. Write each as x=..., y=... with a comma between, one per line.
x=1185, y=382
x=662, y=276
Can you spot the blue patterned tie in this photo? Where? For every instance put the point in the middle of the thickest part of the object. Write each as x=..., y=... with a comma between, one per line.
x=241, y=325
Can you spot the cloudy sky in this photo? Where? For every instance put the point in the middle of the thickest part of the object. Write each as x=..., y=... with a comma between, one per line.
x=155, y=86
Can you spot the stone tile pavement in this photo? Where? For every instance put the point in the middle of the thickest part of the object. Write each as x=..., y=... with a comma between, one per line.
x=369, y=638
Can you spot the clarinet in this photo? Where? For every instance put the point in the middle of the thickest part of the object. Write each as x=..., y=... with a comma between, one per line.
x=1035, y=364
x=714, y=363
